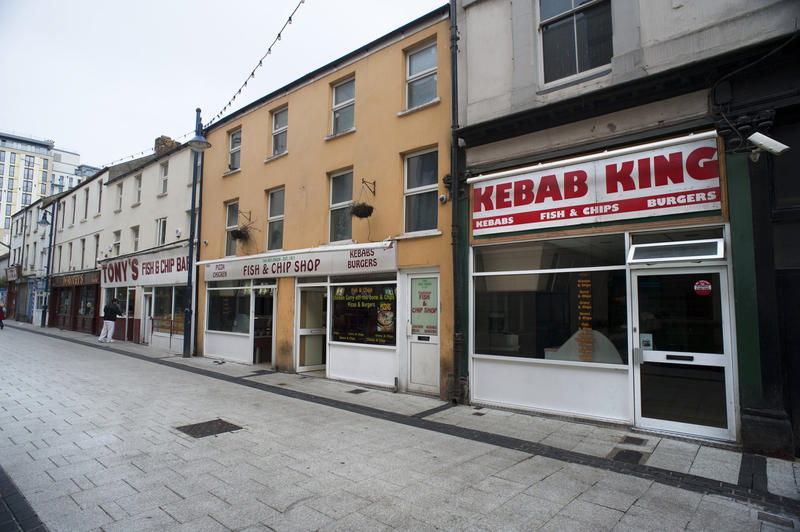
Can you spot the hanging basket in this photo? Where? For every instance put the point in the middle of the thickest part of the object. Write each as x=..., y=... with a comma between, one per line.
x=362, y=210
x=240, y=233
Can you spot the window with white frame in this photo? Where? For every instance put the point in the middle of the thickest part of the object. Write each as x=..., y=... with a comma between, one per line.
x=341, y=206
x=135, y=237
x=115, y=244
x=83, y=253
x=119, y=197
x=96, y=249
x=231, y=224
x=344, y=96
x=69, y=256
x=235, y=147
x=275, y=220
x=164, y=178
x=161, y=231
x=60, y=253
x=576, y=36
x=137, y=182
x=85, y=203
x=421, y=76
x=74, y=207
x=280, y=131
x=421, y=191
x=99, y=196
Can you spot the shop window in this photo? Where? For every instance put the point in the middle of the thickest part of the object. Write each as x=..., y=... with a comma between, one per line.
x=341, y=224
x=275, y=220
x=364, y=314
x=229, y=310
x=280, y=131
x=562, y=299
x=343, y=112
x=231, y=224
x=421, y=76
x=421, y=190
x=121, y=293
x=576, y=36
x=168, y=311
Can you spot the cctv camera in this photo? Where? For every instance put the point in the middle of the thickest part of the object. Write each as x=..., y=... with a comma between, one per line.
x=765, y=143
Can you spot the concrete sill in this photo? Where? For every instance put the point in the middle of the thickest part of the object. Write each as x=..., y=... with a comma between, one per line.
x=419, y=234
x=278, y=156
x=420, y=107
x=342, y=134
x=231, y=172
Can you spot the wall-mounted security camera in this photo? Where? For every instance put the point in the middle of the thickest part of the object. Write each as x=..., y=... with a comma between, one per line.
x=177, y=232
x=766, y=143
x=443, y=199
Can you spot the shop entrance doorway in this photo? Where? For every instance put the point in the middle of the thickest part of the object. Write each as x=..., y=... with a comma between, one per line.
x=423, y=334
x=147, y=320
x=682, y=351
x=263, y=302
x=311, y=327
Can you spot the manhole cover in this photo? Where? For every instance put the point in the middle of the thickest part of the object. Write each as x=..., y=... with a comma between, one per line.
x=633, y=441
x=208, y=428
x=628, y=456
x=356, y=391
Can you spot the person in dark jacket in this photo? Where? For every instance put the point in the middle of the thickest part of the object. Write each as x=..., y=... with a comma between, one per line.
x=110, y=313
x=2, y=315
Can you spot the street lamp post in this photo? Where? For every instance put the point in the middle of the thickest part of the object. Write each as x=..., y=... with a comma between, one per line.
x=43, y=222
x=198, y=144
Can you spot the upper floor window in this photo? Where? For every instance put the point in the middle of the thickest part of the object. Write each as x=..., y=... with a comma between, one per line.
x=62, y=207
x=280, y=126
x=119, y=197
x=83, y=253
x=421, y=76
x=135, y=237
x=99, y=196
x=2, y=156
x=275, y=220
x=344, y=98
x=74, y=208
x=115, y=245
x=576, y=36
x=231, y=224
x=421, y=190
x=235, y=143
x=138, y=184
x=44, y=176
x=44, y=163
x=11, y=169
x=161, y=231
x=29, y=160
x=2, y=169
x=341, y=205
x=85, y=203
x=164, y=178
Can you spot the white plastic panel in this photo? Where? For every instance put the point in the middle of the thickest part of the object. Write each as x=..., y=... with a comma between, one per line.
x=368, y=365
x=591, y=391
x=233, y=347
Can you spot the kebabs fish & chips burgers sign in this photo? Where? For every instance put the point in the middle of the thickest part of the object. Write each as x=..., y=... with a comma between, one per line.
x=672, y=179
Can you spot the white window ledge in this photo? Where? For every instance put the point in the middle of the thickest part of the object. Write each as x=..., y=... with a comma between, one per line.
x=342, y=134
x=419, y=234
x=278, y=156
x=420, y=107
x=231, y=172
x=136, y=204
x=161, y=195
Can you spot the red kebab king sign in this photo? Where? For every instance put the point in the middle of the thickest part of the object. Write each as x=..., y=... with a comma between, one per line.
x=671, y=179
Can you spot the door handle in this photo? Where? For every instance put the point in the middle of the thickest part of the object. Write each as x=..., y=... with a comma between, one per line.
x=638, y=355
x=687, y=358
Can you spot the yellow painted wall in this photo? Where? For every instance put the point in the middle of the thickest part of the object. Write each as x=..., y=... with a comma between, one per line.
x=374, y=151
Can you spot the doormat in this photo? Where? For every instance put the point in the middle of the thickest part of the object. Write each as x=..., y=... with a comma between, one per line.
x=208, y=428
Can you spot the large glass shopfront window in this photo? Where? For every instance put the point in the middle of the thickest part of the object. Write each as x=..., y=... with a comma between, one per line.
x=229, y=306
x=126, y=304
x=556, y=300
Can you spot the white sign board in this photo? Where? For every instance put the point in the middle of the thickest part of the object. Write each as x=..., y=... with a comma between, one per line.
x=304, y=264
x=151, y=269
x=669, y=180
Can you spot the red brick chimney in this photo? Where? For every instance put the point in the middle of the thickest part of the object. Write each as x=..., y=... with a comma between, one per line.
x=164, y=144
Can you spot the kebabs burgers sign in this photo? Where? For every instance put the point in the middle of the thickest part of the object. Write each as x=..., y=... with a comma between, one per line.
x=667, y=180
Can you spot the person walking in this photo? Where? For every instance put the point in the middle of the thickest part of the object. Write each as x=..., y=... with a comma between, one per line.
x=110, y=313
x=2, y=315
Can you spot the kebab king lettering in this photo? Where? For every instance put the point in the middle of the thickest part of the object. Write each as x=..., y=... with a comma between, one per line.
x=670, y=180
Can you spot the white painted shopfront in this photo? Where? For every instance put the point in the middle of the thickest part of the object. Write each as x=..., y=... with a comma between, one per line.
x=151, y=289
x=628, y=319
x=346, y=303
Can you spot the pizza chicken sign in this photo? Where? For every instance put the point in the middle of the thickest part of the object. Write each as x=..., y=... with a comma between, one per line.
x=667, y=180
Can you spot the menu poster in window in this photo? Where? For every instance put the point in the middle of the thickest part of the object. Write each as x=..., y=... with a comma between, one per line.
x=364, y=314
x=425, y=306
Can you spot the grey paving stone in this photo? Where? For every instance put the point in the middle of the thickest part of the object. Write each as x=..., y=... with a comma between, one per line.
x=204, y=524
x=561, y=523
x=781, y=478
x=244, y=513
x=194, y=507
x=531, y=470
x=298, y=518
x=720, y=515
x=600, y=516
x=337, y=505
x=147, y=500
x=560, y=487
x=103, y=494
x=153, y=520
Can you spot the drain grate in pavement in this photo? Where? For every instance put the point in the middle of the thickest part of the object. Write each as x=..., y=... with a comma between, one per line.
x=356, y=391
x=208, y=428
x=775, y=520
x=478, y=413
x=626, y=455
x=633, y=441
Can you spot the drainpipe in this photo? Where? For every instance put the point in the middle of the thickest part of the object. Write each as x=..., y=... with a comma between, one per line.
x=457, y=392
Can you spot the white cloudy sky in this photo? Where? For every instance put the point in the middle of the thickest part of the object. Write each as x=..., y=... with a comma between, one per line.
x=104, y=78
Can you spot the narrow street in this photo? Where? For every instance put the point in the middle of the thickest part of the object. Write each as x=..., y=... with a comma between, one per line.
x=88, y=435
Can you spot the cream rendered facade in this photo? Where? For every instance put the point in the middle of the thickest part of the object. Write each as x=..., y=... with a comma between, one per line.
x=292, y=279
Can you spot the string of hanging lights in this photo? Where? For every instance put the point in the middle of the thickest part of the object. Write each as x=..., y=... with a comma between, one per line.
x=231, y=100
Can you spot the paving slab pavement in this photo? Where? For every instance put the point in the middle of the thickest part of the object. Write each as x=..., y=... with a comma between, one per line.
x=88, y=437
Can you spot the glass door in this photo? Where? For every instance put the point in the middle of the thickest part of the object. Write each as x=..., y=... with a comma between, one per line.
x=312, y=331
x=682, y=352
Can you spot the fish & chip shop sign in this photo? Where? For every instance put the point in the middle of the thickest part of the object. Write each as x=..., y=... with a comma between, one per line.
x=334, y=262
x=153, y=269
x=673, y=179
